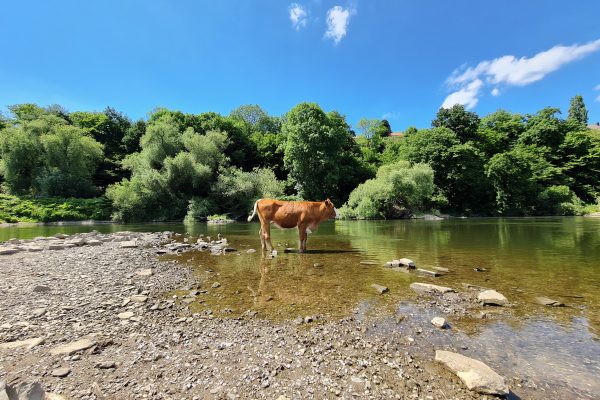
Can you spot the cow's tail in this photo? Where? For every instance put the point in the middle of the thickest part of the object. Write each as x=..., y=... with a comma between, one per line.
x=253, y=212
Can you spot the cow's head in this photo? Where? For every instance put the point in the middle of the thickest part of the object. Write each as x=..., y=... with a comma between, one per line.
x=331, y=210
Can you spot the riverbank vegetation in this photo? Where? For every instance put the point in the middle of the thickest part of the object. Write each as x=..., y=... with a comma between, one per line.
x=174, y=165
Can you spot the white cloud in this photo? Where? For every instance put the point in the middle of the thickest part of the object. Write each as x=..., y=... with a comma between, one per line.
x=597, y=87
x=512, y=71
x=338, y=19
x=298, y=16
x=495, y=92
x=467, y=95
x=598, y=99
x=390, y=115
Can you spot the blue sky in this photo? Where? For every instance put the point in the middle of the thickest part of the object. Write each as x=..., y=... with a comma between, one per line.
x=399, y=60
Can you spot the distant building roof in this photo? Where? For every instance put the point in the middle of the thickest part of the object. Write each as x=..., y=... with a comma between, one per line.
x=397, y=134
x=595, y=126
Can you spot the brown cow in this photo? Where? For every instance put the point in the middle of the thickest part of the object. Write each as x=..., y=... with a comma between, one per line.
x=306, y=215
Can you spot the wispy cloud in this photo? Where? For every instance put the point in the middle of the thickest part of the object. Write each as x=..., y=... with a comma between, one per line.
x=511, y=71
x=338, y=19
x=390, y=115
x=298, y=15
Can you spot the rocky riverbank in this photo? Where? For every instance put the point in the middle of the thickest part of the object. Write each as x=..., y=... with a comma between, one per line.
x=88, y=317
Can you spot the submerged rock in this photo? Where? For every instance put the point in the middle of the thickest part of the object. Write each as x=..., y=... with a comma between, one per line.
x=491, y=297
x=426, y=272
x=548, y=302
x=380, y=289
x=476, y=375
x=429, y=288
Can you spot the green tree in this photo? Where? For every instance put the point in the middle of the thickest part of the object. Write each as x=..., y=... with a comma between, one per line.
x=460, y=121
x=69, y=160
x=498, y=131
x=19, y=159
x=315, y=142
x=544, y=129
x=577, y=111
x=458, y=168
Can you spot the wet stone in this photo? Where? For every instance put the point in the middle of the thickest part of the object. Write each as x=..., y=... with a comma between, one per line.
x=476, y=375
x=548, y=302
x=380, y=289
x=491, y=297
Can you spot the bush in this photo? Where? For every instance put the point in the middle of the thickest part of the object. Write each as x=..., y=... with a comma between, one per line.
x=398, y=191
x=236, y=191
x=15, y=209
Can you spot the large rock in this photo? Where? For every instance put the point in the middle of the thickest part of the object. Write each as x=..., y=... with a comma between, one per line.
x=73, y=347
x=129, y=244
x=491, y=297
x=93, y=242
x=475, y=375
x=29, y=343
x=22, y=391
x=429, y=288
x=56, y=246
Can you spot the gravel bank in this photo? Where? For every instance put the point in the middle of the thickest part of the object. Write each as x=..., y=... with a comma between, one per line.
x=96, y=324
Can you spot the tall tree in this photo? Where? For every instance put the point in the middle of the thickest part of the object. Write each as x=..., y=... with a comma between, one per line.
x=577, y=111
x=315, y=142
x=462, y=122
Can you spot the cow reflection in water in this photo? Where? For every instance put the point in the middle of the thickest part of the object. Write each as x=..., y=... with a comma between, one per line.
x=306, y=215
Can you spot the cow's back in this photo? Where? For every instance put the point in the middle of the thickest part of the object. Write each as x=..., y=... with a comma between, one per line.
x=287, y=214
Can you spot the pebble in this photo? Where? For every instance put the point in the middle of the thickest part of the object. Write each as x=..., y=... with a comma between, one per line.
x=61, y=372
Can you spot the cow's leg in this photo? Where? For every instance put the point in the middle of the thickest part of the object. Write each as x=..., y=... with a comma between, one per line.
x=262, y=239
x=266, y=236
x=303, y=236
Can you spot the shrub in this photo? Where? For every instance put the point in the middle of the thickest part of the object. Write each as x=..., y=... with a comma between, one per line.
x=398, y=191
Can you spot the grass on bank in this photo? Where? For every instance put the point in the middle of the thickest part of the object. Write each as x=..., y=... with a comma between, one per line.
x=50, y=209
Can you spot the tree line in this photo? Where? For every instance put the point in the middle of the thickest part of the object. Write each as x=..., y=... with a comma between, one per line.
x=174, y=165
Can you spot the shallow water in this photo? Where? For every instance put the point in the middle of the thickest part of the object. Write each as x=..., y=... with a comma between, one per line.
x=557, y=258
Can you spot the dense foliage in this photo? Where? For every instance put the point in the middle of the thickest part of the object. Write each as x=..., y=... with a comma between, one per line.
x=175, y=165
x=50, y=209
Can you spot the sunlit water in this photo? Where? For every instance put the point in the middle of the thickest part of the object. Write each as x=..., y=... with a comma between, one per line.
x=557, y=258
